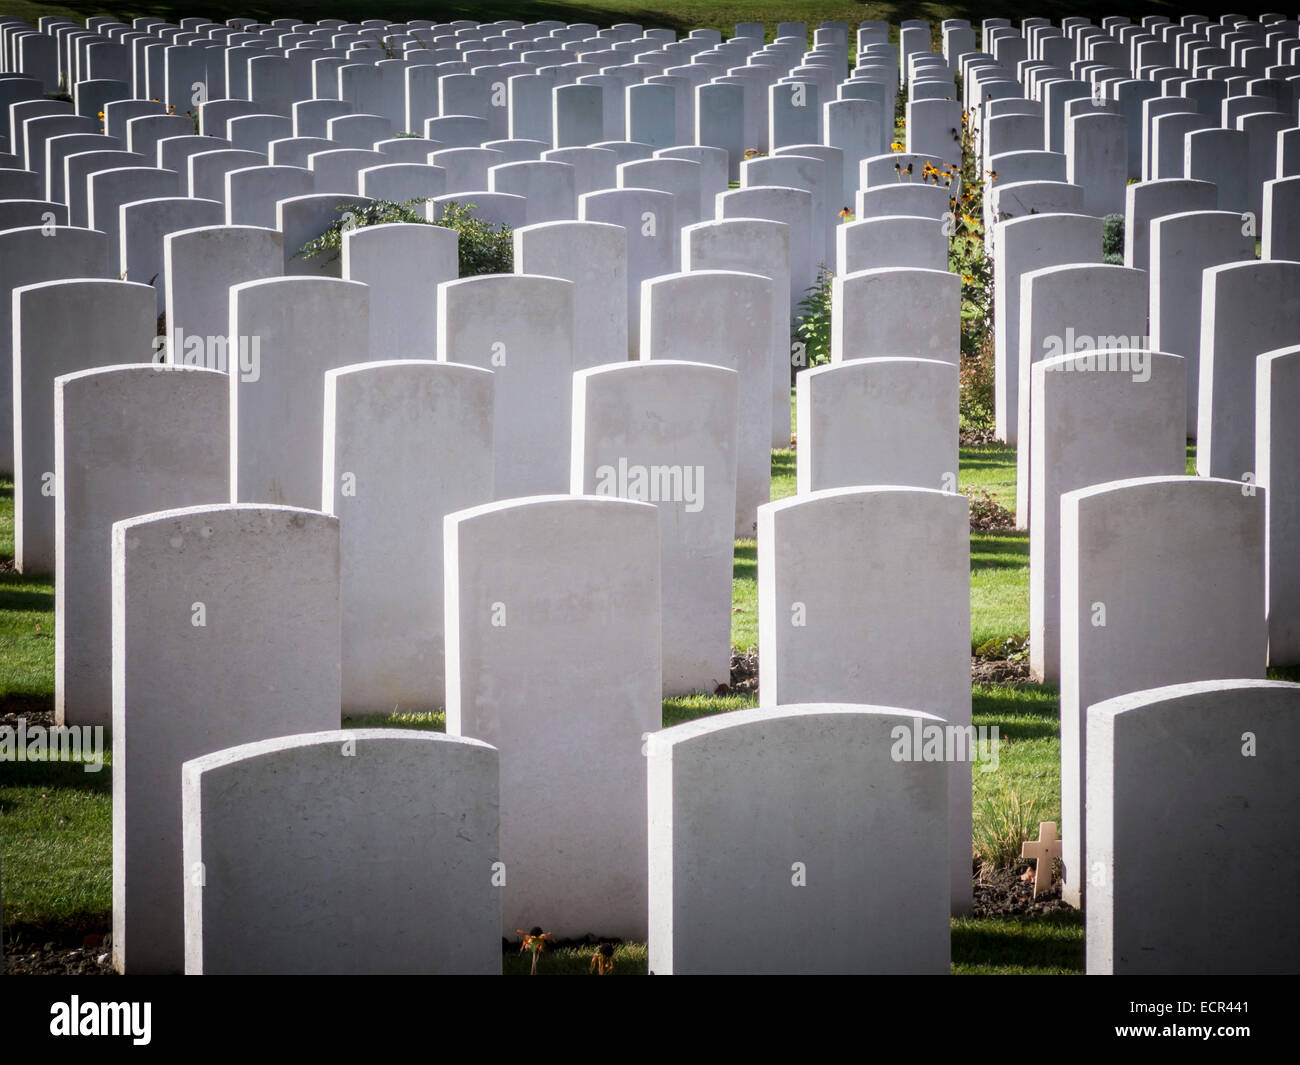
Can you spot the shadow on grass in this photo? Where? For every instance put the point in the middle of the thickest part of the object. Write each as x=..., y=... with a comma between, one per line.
x=17, y=594
x=1021, y=712
x=29, y=701
x=986, y=458
x=70, y=775
x=678, y=709
x=745, y=562
x=1045, y=941
x=999, y=549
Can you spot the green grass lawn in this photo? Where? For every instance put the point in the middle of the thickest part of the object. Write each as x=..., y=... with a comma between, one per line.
x=26, y=624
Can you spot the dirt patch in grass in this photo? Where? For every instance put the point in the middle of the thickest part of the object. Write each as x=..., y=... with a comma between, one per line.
x=92, y=958
x=977, y=437
x=744, y=674
x=999, y=671
x=26, y=708
x=984, y=669
x=1007, y=892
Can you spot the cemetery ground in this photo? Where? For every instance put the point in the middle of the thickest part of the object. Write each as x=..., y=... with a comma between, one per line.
x=680, y=15
x=56, y=819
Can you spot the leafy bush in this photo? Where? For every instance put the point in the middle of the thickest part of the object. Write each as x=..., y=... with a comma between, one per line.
x=1112, y=239
x=976, y=402
x=482, y=248
x=1014, y=648
x=812, y=334
x=966, y=258
x=986, y=512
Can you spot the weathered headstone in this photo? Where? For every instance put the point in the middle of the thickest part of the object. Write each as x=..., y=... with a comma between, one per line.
x=289, y=331
x=783, y=819
x=406, y=442
x=529, y=671
x=128, y=440
x=289, y=832
x=722, y=317
x=521, y=328
x=877, y=421
x=664, y=432
x=842, y=624
x=60, y=327
x=1220, y=754
x=225, y=631
x=1162, y=582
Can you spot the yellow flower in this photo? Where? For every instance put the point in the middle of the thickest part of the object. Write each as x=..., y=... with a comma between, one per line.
x=897, y=146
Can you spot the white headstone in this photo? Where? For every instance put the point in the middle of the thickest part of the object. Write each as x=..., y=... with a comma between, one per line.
x=887, y=587
x=753, y=246
x=1181, y=248
x=288, y=331
x=225, y=631
x=553, y=657
x=1096, y=416
x=406, y=443
x=290, y=833
x=723, y=318
x=896, y=311
x=664, y=432
x=878, y=421
x=1277, y=394
x=650, y=219
x=593, y=255
x=1247, y=309
x=403, y=263
x=27, y=257
x=60, y=327
x=1064, y=309
x=1137, y=609
x=784, y=819
x=1220, y=757
x=521, y=328
x=128, y=440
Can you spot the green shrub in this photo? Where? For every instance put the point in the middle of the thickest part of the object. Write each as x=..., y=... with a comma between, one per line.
x=977, y=383
x=812, y=334
x=482, y=248
x=1112, y=239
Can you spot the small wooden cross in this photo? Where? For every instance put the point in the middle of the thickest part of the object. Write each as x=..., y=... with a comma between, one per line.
x=1042, y=850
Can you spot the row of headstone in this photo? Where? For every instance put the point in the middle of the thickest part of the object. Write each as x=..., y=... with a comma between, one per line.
x=1142, y=577
x=1187, y=302
x=750, y=805
x=498, y=643
x=198, y=589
